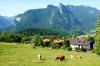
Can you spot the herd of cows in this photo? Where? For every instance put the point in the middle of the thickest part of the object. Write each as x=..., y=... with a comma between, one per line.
x=59, y=57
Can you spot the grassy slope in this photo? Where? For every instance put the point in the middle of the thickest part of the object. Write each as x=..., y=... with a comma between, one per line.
x=25, y=55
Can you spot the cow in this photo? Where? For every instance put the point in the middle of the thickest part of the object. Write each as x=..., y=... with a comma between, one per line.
x=72, y=56
x=39, y=57
x=60, y=57
x=75, y=57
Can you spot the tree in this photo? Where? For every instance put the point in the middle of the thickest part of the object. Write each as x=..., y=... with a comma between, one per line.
x=66, y=44
x=97, y=37
x=37, y=41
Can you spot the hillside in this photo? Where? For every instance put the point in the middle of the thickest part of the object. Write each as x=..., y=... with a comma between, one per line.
x=4, y=23
x=10, y=19
x=61, y=17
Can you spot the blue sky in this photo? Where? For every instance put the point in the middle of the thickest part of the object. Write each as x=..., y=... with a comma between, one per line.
x=14, y=7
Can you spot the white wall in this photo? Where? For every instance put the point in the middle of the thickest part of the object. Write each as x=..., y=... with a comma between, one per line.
x=74, y=46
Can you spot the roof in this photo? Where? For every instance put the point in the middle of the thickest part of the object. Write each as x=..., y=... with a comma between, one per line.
x=57, y=41
x=81, y=42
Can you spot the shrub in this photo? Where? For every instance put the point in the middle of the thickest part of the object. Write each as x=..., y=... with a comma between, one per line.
x=69, y=49
x=34, y=47
x=77, y=49
x=83, y=49
x=63, y=47
x=97, y=50
x=37, y=41
x=8, y=37
x=25, y=40
x=66, y=44
x=56, y=46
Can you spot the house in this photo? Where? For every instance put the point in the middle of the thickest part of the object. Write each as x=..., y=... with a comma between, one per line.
x=81, y=43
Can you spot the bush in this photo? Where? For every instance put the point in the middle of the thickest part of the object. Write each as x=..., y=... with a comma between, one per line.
x=97, y=50
x=8, y=37
x=63, y=47
x=69, y=49
x=56, y=46
x=98, y=53
x=25, y=40
x=66, y=44
x=34, y=47
x=77, y=49
x=37, y=41
x=83, y=49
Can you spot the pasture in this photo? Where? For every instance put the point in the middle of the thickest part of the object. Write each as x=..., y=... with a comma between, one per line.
x=12, y=54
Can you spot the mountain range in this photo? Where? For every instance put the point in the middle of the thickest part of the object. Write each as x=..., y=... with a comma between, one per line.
x=4, y=23
x=62, y=17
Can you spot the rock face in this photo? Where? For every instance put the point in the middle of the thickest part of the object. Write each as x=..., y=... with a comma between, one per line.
x=60, y=17
x=52, y=17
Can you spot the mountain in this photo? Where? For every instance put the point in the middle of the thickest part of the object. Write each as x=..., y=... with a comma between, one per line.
x=4, y=23
x=62, y=17
x=10, y=19
x=86, y=15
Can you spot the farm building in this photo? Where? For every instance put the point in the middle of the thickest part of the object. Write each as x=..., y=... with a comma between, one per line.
x=81, y=43
x=58, y=41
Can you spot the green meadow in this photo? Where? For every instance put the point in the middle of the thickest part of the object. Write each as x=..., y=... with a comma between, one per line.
x=12, y=54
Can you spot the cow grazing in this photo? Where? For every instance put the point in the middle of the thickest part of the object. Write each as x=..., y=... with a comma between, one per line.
x=60, y=57
x=72, y=56
x=78, y=56
x=39, y=57
x=75, y=57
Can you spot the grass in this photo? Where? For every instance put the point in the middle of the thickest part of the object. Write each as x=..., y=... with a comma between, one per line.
x=24, y=55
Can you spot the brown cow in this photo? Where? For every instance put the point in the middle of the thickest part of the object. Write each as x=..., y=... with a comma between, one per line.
x=60, y=57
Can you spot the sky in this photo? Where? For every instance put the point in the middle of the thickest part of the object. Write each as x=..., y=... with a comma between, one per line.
x=14, y=7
